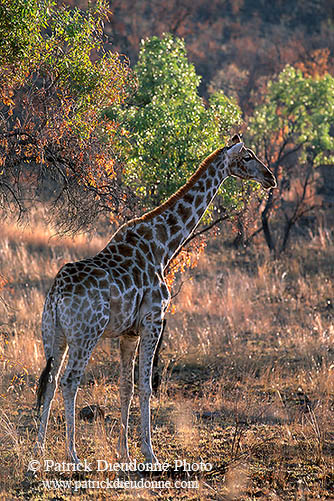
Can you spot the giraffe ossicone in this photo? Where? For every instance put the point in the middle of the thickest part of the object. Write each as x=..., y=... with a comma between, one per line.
x=121, y=293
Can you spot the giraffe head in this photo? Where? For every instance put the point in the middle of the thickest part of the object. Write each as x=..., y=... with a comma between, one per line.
x=243, y=163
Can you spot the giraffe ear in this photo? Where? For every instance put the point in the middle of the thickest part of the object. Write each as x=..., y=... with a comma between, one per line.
x=235, y=149
x=236, y=139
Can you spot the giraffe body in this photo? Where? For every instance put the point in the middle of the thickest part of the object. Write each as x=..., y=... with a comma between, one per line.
x=121, y=293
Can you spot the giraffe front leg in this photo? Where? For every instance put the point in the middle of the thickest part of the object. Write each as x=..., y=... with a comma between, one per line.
x=148, y=343
x=128, y=347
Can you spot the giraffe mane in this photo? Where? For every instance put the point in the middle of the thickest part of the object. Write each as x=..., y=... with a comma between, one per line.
x=184, y=189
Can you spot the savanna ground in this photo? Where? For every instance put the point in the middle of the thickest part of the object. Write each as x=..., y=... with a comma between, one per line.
x=247, y=376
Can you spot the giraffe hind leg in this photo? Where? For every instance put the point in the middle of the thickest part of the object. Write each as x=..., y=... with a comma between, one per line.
x=69, y=384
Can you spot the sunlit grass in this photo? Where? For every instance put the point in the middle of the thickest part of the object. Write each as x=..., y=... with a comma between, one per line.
x=247, y=373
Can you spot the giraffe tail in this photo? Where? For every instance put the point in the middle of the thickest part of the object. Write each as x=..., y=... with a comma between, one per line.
x=42, y=384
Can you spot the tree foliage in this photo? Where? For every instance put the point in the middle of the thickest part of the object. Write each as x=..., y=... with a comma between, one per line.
x=293, y=130
x=170, y=127
x=55, y=79
x=297, y=115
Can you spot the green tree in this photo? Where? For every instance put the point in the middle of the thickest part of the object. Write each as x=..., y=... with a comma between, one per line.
x=55, y=78
x=293, y=130
x=170, y=128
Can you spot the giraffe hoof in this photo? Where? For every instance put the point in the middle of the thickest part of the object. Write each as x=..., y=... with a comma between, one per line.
x=123, y=457
x=151, y=459
x=38, y=449
x=73, y=458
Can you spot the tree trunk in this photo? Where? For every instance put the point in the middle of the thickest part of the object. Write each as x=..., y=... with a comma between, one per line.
x=265, y=224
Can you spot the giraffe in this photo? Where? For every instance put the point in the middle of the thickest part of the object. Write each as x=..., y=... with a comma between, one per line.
x=121, y=293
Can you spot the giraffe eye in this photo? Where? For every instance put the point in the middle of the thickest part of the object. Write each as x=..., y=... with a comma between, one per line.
x=248, y=158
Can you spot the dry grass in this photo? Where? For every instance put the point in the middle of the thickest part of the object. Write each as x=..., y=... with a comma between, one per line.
x=247, y=376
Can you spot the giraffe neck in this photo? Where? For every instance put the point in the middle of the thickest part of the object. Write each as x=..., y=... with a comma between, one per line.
x=175, y=220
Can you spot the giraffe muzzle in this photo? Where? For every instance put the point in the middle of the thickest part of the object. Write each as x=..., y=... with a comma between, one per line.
x=269, y=181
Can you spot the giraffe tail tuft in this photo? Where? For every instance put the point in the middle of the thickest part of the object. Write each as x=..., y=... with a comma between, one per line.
x=42, y=383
